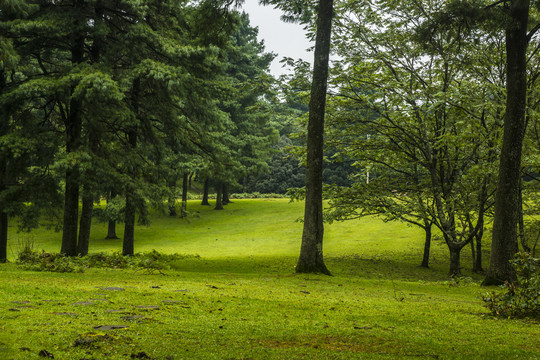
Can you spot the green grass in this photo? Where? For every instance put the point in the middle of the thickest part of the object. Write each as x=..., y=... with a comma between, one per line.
x=242, y=300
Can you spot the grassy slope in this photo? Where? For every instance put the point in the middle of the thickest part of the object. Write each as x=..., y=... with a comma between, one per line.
x=241, y=300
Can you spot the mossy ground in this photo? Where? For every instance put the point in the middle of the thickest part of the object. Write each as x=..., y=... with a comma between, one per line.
x=242, y=300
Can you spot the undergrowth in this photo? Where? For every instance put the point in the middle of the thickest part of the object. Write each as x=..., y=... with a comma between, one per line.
x=522, y=298
x=153, y=261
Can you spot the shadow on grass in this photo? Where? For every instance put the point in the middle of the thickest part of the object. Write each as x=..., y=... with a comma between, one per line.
x=354, y=266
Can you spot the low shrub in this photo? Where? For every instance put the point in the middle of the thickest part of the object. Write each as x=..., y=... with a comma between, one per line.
x=257, y=195
x=150, y=262
x=42, y=261
x=522, y=298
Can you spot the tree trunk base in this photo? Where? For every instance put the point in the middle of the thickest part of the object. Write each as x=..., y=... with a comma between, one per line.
x=492, y=281
x=302, y=268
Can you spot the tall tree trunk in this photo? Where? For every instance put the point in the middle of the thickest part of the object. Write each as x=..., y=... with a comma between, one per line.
x=477, y=265
x=455, y=261
x=3, y=236
x=128, y=246
x=427, y=245
x=226, y=199
x=172, y=199
x=205, y=192
x=73, y=143
x=219, y=196
x=111, y=230
x=111, y=226
x=85, y=224
x=504, y=242
x=185, y=180
x=191, y=174
x=521, y=222
x=311, y=251
x=3, y=177
x=473, y=253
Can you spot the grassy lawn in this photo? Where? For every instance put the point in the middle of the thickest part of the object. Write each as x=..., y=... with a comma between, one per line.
x=242, y=300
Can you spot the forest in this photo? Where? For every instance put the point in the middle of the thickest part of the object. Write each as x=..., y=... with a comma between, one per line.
x=145, y=145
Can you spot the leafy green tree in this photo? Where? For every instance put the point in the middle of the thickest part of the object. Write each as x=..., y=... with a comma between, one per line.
x=408, y=101
x=504, y=244
x=27, y=139
x=311, y=253
x=246, y=145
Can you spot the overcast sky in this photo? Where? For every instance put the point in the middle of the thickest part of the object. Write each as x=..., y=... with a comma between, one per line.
x=284, y=39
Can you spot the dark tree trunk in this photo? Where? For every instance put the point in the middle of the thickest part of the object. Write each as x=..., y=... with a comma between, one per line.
x=111, y=230
x=3, y=216
x=473, y=254
x=128, y=246
x=185, y=181
x=85, y=224
x=427, y=246
x=477, y=264
x=219, y=196
x=455, y=261
x=504, y=243
x=311, y=252
x=190, y=179
x=3, y=236
x=521, y=223
x=129, y=222
x=205, y=192
x=172, y=200
x=3, y=177
x=111, y=227
x=73, y=143
x=225, y=196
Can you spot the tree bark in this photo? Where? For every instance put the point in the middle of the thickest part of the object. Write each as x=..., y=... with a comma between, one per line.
x=427, y=246
x=225, y=196
x=521, y=223
x=85, y=224
x=3, y=177
x=128, y=246
x=190, y=178
x=111, y=230
x=455, y=260
x=3, y=236
x=311, y=252
x=504, y=243
x=111, y=226
x=73, y=143
x=477, y=265
x=185, y=181
x=205, y=192
x=172, y=200
x=473, y=254
x=219, y=196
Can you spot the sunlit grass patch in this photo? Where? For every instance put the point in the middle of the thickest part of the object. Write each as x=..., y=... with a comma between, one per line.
x=240, y=299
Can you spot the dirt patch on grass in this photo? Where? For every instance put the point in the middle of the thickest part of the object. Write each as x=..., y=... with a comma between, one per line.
x=365, y=344
x=334, y=343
